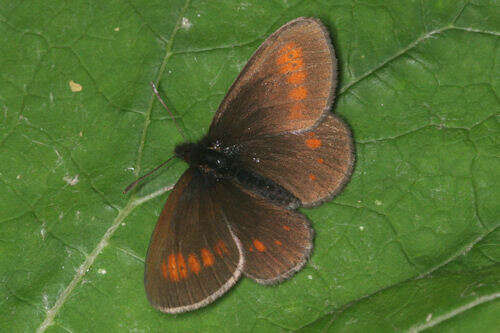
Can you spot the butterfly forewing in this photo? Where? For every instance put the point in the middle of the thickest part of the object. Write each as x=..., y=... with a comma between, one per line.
x=193, y=256
x=313, y=165
x=276, y=241
x=287, y=85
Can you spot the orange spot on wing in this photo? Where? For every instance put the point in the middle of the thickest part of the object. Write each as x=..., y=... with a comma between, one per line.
x=194, y=264
x=297, y=77
x=172, y=268
x=320, y=160
x=251, y=249
x=298, y=93
x=296, y=112
x=312, y=177
x=313, y=143
x=289, y=52
x=290, y=58
x=292, y=66
x=287, y=47
x=259, y=246
x=221, y=248
x=182, y=266
x=287, y=228
x=164, y=269
x=207, y=257
x=277, y=242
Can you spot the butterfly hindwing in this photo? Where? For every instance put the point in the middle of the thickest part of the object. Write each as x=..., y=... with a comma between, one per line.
x=276, y=241
x=313, y=165
x=193, y=256
x=287, y=85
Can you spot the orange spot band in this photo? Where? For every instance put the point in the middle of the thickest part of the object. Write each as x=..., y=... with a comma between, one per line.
x=296, y=111
x=298, y=93
x=313, y=143
x=182, y=266
x=297, y=77
x=172, y=268
x=259, y=246
x=292, y=66
x=289, y=53
x=207, y=257
x=221, y=248
x=194, y=264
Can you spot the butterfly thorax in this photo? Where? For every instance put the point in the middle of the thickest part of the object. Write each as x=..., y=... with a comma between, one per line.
x=208, y=159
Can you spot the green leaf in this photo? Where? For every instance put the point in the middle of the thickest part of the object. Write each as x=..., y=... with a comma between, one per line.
x=463, y=291
x=411, y=243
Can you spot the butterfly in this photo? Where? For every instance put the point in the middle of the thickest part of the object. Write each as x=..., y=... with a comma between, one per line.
x=273, y=146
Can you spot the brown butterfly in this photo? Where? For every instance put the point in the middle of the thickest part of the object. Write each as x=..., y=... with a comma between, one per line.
x=273, y=146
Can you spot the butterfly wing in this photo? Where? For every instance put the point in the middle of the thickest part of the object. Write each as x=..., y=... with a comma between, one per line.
x=276, y=241
x=193, y=256
x=313, y=165
x=287, y=85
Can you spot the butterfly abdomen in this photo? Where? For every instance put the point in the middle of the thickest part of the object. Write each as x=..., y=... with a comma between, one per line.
x=266, y=188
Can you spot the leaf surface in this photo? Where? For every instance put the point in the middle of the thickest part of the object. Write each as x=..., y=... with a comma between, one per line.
x=412, y=242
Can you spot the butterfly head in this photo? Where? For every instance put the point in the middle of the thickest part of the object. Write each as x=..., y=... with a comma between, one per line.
x=187, y=151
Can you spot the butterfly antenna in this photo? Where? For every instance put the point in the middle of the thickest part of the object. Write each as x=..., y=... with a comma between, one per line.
x=170, y=112
x=136, y=182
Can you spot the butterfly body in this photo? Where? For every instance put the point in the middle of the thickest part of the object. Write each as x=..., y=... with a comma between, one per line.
x=215, y=162
x=273, y=146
